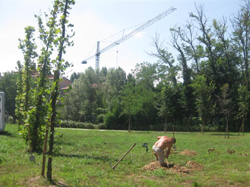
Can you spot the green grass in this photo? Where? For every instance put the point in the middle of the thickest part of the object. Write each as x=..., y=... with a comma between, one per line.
x=86, y=155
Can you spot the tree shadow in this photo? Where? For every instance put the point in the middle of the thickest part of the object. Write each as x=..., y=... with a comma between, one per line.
x=102, y=158
x=223, y=134
x=5, y=133
x=59, y=184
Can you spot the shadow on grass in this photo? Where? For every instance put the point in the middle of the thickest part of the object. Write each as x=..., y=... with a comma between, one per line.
x=103, y=158
x=56, y=183
x=5, y=133
x=221, y=134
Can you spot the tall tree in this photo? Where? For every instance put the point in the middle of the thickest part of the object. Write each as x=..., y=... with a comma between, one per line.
x=28, y=48
x=206, y=37
x=166, y=67
x=38, y=114
x=146, y=78
x=60, y=65
x=241, y=26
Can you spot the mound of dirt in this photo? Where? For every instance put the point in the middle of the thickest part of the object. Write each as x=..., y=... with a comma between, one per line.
x=194, y=166
x=188, y=153
x=152, y=166
x=190, y=166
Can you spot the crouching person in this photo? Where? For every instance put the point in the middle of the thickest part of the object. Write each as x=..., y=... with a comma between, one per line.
x=159, y=147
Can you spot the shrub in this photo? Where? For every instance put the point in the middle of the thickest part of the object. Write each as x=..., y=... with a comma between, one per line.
x=75, y=124
x=110, y=120
x=101, y=126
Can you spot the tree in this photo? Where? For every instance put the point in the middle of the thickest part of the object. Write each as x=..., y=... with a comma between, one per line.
x=8, y=86
x=203, y=93
x=60, y=65
x=179, y=40
x=166, y=68
x=74, y=76
x=146, y=79
x=130, y=102
x=18, y=99
x=28, y=48
x=186, y=71
x=243, y=103
x=165, y=105
x=38, y=114
x=206, y=37
x=225, y=105
x=241, y=26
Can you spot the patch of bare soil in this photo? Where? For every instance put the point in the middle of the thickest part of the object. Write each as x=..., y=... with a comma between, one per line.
x=189, y=167
x=188, y=153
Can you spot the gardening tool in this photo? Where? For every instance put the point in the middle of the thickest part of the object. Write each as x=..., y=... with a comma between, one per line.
x=145, y=145
x=31, y=157
x=174, y=147
x=113, y=167
x=167, y=162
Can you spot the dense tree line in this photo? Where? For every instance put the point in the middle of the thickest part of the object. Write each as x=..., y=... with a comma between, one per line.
x=202, y=85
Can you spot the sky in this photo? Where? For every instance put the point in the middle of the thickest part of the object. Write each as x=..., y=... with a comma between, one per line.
x=106, y=21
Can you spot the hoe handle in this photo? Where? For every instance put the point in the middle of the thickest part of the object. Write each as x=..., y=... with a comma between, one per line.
x=123, y=156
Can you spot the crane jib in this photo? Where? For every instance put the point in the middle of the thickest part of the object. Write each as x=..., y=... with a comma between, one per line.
x=127, y=36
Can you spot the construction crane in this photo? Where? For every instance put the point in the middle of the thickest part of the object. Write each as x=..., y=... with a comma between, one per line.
x=127, y=36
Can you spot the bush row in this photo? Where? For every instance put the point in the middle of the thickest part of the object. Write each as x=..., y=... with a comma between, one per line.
x=80, y=125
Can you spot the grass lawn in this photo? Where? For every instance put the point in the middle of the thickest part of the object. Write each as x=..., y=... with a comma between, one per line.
x=86, y=157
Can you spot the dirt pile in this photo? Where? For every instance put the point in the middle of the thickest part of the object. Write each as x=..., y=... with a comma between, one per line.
x=194, y=166
x=188, y=153
x=189, y=167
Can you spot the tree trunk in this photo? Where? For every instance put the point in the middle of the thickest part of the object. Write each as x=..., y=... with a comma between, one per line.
x=242, y=126
x=165, y=125
x=129, y=121
x=202, y=125
x=227, y=129
x=54, y=96
x=45, y=149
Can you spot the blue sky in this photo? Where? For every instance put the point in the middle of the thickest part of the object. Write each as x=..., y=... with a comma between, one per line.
x=96, y=20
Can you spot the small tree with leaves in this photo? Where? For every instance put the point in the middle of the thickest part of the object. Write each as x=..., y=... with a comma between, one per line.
x=38, y=114
x=164, y=104
x=243, y=103
x=61, y=42
x=203, y=93
x=129, y=102
x=24, y=101
x=225, y=105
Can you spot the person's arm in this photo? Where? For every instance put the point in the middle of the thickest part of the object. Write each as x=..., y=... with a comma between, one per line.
x=168, y=151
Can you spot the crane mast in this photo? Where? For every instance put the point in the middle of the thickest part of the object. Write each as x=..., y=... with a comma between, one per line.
x=127, y=36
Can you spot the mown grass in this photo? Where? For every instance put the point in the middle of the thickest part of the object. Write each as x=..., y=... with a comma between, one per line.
x=86, y=155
